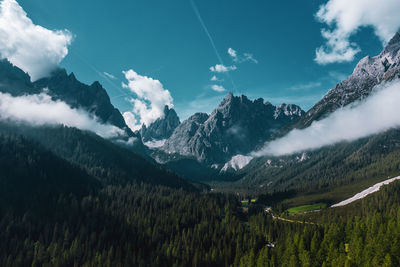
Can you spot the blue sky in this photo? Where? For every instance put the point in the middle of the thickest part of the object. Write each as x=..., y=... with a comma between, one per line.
x=165, y=40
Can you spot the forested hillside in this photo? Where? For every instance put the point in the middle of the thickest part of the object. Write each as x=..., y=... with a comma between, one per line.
x=105, y=161
x=146, y=225
x=355, y=165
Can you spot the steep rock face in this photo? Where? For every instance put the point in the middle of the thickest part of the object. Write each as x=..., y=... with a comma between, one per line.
x=14, y=81
x=236, y=126
x=93, y=98
x=61, y=86
x=368, y=73
x=162, y=128
x=180, y=138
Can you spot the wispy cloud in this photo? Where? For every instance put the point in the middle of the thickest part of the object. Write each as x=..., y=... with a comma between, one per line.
x=40, y=109
x=377, y=113
x=232, y=53
x=305, y=86
x=218, y=88
x=241, y=58
x=151, y=99
x=249, y=57
x=222, y=68
x=344, y=18
x=110, y=76
x=34, y=49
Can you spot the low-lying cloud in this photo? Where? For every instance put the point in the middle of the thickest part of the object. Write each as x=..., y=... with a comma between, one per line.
x=150, y=102
x=344, y=18
x=32, y=48
x=377, y=113
x=40, y=110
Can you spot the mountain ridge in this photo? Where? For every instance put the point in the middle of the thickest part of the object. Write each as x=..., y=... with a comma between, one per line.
x=67, y=88
x=162, y=128
x=369, y=72
x=236, y=126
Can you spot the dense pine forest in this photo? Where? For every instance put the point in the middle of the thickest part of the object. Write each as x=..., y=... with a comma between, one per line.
x=138, y=224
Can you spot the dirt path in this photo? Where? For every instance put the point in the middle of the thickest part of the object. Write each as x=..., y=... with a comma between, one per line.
x=291, y=221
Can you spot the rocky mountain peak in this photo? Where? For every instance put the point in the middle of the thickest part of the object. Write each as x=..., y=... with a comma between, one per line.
x=394, y=43
x=368, y=73
x=65, y=87
x=236, y=126
x=228, y=97
x=162, y=128
x=289, y=111
x=14, y=80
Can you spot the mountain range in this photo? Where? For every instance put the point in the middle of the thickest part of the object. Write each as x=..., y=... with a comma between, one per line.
x=209, y=143
x=237, y=126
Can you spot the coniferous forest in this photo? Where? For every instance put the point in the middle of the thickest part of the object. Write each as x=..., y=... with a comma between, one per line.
x=147, y=225
x=62, y=215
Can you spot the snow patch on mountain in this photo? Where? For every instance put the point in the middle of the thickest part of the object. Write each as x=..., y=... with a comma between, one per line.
x=366, y=192
x=237, y=162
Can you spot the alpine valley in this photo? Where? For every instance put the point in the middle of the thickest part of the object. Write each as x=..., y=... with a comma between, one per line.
x=88, y=190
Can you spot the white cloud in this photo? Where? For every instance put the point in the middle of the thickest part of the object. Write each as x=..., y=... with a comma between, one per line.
x=249, y=57
x=109, y=75
x=130, y=142
x=240, y=59
x=232, y=53
x=155, y=143
x=152, y=98
x=222, y=68
x=218, y=88
x=345, y=17
x=40, y=109
x=377, y=113
x=34, y=49
x=214, y=78
x=337, y=49
x=131, y=121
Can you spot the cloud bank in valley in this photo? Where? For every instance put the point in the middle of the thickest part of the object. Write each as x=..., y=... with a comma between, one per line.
x=344, y=18
x=152, y=98
x=32, y=48
x=377, y=113
x=40, y=109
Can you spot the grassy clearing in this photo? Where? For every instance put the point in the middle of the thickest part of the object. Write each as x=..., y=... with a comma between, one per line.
x=246, y=201
x=306, y=208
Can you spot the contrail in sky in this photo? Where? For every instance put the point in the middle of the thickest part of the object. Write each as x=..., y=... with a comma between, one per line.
x=203, y=25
